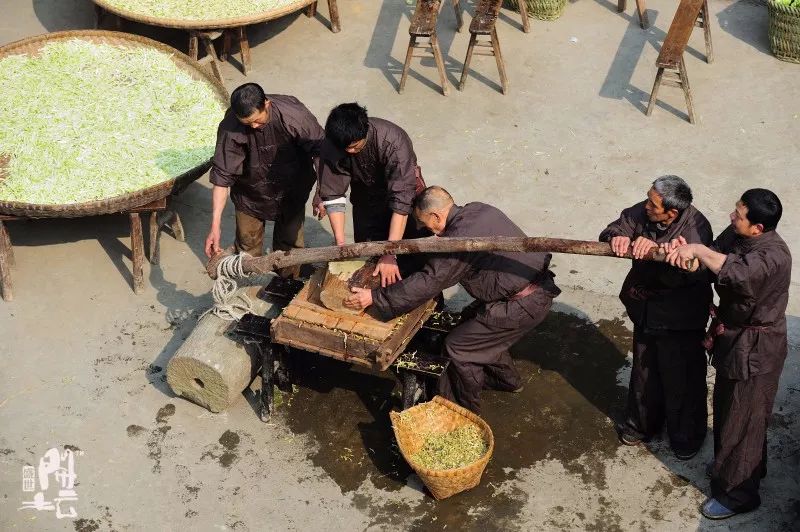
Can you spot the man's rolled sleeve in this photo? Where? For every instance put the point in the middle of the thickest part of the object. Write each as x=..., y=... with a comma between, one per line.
x=227, y=164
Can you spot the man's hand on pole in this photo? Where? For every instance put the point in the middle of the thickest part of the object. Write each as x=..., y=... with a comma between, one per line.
x=620, y=245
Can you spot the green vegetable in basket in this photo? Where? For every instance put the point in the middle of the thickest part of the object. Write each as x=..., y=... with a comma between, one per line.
x=450, y=450
x=198, y=9
x=84, y=121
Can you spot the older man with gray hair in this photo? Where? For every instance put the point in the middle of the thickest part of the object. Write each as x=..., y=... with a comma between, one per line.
x=669, y=309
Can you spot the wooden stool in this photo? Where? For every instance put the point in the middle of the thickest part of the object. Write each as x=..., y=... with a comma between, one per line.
x=484, y=24
x=670, y=60
x=244, y=46
x=424, y=25
x=171, y=221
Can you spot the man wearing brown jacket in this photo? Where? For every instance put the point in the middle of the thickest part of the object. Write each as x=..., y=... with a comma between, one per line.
x=669, y=310
x=514, y=291
x=266, y=145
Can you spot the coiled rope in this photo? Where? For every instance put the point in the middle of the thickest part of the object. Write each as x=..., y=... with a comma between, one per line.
x=227, y=306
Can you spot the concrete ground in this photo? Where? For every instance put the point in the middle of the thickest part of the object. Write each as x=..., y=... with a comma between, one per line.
x=562, y=154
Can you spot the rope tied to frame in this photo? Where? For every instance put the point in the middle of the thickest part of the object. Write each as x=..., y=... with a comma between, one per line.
x=227, y=306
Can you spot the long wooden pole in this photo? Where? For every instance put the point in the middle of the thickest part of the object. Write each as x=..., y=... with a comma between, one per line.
x=294, y=257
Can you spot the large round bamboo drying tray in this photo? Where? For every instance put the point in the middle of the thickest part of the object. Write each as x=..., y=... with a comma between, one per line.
x=134, y=199
x=219, y=23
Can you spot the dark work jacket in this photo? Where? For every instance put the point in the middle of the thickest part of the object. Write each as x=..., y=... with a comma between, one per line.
x=753, y=289
x=380, y=176
x=490, y=277
x=658, y=297
x=272, y=166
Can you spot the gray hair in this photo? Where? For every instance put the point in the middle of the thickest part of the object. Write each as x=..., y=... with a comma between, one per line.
x=674, y=192
x=432, y=198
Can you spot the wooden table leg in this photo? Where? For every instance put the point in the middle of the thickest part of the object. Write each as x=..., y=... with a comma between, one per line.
x=498, y=56
x=654, y=93
x=409, y=54
x=209, y=44
x=472, y=39
x=244, y=47
x=98, y=14
x=6, y=260
x=155, y=238
x=226, y=45
x=311, y=10
x=267, y=384
x=437, y=56
x=333, y=10
x=174, y=222
x=137, y=252
x=193, y=45
x=622, y=5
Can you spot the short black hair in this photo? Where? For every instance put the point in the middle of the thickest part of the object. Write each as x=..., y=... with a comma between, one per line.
x=763, y=207
x=347, y=123
x=247, y=99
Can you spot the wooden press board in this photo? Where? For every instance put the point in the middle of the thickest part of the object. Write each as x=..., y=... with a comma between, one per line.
x=363, y=339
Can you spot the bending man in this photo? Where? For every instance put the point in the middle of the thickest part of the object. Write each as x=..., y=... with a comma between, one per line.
x=516, y=291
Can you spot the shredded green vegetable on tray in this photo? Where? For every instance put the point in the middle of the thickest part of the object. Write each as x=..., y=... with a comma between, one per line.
x=199, y=9
x=449, y=450
x=84, y=121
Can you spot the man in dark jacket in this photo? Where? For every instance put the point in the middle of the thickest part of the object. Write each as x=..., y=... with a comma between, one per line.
x=516, y=291
x=264, y=157
x=669, y=310
x=375, y=159
x=747, y=341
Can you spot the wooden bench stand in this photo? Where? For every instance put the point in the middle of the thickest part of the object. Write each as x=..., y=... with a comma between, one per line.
x=484, y=24
x=157, y=224
x=670, y=63
x=423, y=25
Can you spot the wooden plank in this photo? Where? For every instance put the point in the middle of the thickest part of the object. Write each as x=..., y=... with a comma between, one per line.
x=303, y=335
x=679, y=32
x=388, y=352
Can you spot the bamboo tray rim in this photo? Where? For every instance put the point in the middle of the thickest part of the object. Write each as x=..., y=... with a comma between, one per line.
x=205, y=24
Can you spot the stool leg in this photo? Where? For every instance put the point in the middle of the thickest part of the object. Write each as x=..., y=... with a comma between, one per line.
x=193, y=45
x=7, y=241
x=333, y=10
x=498, y=56
x=654, y=93
x=707, y=33
x=644, y=22
x=409, y=54
x=244, y=46
x=137, y=252
x=465, y=71
x=311, y=10
x=437, y=56
x=459, y=15
x=5, y=264
x=523, y=10
x=622, y=5
x=174, y=222
x=687, y=91
x=155, y=248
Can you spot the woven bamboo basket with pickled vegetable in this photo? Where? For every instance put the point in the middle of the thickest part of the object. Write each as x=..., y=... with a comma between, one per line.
x=447, y=445
x=96, y=122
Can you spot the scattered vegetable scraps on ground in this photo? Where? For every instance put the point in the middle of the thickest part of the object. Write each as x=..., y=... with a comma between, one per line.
x=85, y=121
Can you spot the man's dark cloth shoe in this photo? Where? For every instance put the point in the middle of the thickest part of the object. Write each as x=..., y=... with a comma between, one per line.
x=628, y=437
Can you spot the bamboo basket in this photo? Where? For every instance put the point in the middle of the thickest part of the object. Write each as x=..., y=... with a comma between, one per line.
x=784, y=31
x=204, y=24
x=541, y=9
x=439, y=416
x=131, y=200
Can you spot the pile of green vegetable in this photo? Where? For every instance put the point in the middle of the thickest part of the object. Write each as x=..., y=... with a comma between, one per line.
x=450, y=450
x=789, y=3
x=85, y=121
x=198, y=9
